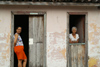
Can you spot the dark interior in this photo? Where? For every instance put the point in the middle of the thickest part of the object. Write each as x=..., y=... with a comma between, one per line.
x=79, y=22
x=23, y=21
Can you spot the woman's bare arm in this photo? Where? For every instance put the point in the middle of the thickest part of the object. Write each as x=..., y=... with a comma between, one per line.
x=70, y=41
x=15, y=40
x=73, y=41
x=76, y=41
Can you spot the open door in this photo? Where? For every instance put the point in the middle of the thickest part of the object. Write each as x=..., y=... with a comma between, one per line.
x=79, y=22
x=77, y=53
x=22, y=20
x=33, y=35
x=36, y=41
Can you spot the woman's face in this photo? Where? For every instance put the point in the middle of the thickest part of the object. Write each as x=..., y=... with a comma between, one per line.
x=74, y=31
x=18, y=30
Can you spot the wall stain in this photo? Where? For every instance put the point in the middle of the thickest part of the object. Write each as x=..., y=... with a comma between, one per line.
x=63, y=52
x=94, y=39
x=56, y=35
x=93, y=62
x=8, y=37
x=4, y=50
x=56, y=49
x=94, y=34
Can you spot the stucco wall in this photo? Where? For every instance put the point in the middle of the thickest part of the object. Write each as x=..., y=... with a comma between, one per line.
x=56, y=33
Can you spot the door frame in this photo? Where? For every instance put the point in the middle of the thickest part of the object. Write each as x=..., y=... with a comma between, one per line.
x=12, y=32
x=86, y=36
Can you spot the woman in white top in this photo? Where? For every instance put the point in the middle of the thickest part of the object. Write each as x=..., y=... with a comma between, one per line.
x=73, y=37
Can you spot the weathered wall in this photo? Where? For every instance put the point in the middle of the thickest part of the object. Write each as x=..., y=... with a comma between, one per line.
x=56, y=33
x=94, y=38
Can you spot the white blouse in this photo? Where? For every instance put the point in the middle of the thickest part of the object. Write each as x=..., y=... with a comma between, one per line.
x=72, y=38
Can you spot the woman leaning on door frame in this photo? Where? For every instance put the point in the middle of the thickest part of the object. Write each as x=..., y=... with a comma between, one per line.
x=19, y=48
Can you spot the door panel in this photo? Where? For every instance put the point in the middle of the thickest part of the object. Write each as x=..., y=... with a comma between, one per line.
x=81, y=28
x=77, y=55
x=36, y=38
x=39, y=54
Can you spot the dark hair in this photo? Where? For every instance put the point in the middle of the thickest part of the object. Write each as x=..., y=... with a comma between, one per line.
x=18, y=27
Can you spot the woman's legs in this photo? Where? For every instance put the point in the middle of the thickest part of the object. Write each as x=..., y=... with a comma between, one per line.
x=24, y=62
x=19, y=63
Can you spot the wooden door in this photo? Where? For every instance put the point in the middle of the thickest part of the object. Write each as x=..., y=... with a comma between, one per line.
x=36, y=39
x=77, y=50
x=77, y=55
x=81, y=28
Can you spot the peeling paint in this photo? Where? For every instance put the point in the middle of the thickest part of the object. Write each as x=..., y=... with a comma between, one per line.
x=57, y=36
x=4, y=49
x=94, y=45
x=63, y=52
x=94, y=34
x=57, y=48
x=93, y=62
x=56, y=33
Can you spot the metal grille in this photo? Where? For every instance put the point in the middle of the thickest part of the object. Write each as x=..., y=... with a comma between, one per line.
x=78, y=1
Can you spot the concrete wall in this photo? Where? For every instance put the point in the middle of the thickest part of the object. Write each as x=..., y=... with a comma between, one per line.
x=56, y=33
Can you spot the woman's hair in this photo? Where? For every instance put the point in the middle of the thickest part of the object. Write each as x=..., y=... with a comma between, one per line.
x=74, y=28
x=18, y=27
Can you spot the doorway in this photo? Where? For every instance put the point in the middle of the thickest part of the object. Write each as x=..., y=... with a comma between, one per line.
x=22, y=20
x=77, y=53
x=33, y=35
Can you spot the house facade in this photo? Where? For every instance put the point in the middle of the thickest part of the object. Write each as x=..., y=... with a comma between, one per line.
x=47, y=26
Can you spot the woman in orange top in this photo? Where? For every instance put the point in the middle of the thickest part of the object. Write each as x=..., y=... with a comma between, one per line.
x=19, y=48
